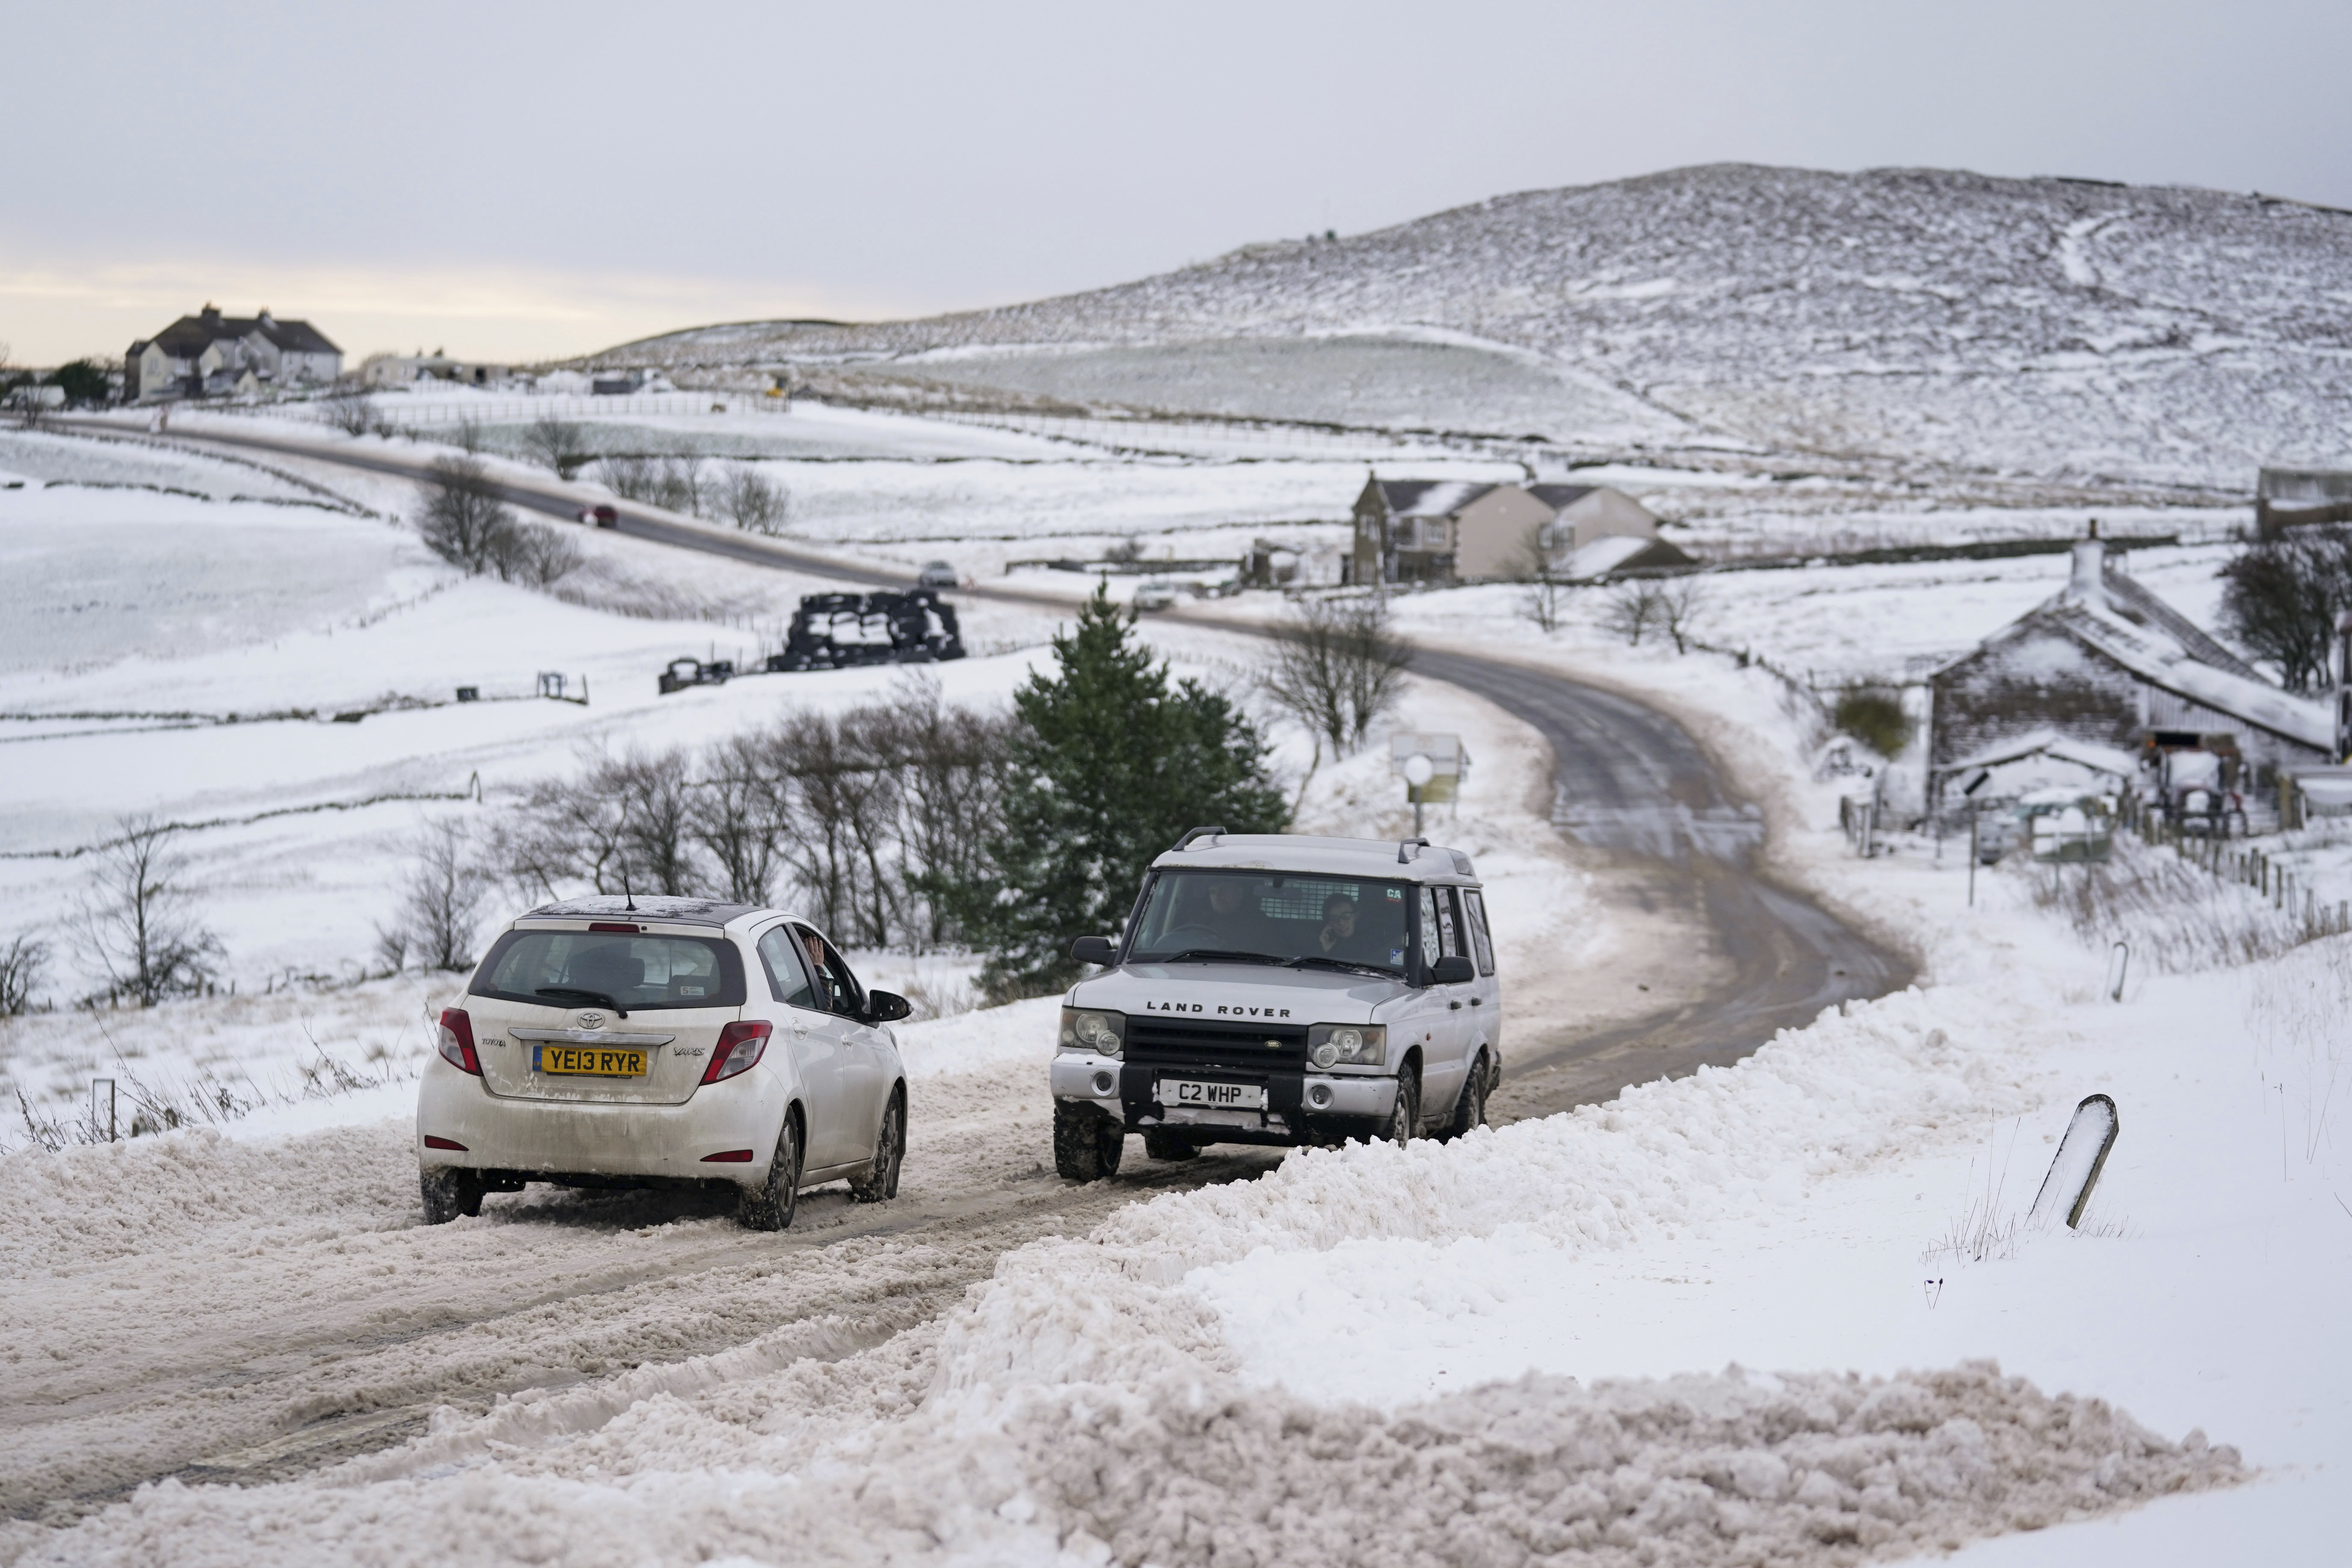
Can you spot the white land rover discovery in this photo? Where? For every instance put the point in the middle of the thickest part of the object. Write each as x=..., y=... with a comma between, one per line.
x=662, y=1042
x=1273, y=988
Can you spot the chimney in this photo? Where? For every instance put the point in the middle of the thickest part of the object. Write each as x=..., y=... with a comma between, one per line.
x=2088, y=585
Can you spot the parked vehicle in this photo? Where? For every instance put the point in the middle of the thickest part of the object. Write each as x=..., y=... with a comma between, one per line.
x=2194, y=792
x=1154, y=593
x=936, y=574
x=602, y=515
x=681, y=673
x=662, y=1042
x=1276, y=988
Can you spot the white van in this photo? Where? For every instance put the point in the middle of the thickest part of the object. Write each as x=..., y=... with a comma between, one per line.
x=1277, y=988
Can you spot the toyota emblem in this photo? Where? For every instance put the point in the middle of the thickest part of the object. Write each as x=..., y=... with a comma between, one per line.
x=592, y=1020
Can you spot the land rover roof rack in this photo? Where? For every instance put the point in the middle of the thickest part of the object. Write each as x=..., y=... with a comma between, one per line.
x=1186, y=842
x=1405, y=844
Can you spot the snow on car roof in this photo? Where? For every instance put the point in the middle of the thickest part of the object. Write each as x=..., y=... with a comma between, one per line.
x=1370, y=857
x=647, y=906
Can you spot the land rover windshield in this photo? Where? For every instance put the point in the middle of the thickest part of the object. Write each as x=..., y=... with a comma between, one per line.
x=1274, y=918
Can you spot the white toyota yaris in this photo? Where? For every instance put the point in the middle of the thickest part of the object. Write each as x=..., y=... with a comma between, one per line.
x=662, y=1042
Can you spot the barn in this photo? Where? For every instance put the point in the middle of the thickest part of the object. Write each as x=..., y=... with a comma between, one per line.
x=2108, y=663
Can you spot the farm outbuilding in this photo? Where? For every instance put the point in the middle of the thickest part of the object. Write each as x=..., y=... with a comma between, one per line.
x=1441, y=530
x=2108, y=663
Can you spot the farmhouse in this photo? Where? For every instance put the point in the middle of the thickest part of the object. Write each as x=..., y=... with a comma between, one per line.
x=2107, y=663
x=209, y=354
x=1441, y=530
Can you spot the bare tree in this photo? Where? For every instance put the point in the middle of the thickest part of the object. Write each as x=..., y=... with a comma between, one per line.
x=2283, y=597
x=470, y=437
x=462, y=513
x=951, y=763
x=1546, y=587
x=348, y=409
x=1634, y=608
x=530, y=552
x=1682, y=606
x=137, y=916
x=1338, y=667
x=1128, y=547
x=751, y=501
x=656, y=818
x=557, y=443
x=742, y=818
x=440, y=904
x=22, y=961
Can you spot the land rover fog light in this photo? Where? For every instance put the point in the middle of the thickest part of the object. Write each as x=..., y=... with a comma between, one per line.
x=1319, y=1096
x=1105, y=1083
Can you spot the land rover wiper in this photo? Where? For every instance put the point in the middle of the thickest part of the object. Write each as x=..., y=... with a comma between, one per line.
x=1317, y=961
x=585, y=995
x=1217, y=955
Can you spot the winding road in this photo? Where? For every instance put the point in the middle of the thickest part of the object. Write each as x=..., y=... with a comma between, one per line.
x=326, y=1340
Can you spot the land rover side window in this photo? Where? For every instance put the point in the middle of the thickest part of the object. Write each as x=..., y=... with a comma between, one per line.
x=637, y=972
x=1429, y=948
x=1449, y=926
x=1475, y=904
x=788, y=979
x=1274, y=918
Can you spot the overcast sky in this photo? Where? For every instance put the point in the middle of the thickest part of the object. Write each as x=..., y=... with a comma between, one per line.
x=528, y=179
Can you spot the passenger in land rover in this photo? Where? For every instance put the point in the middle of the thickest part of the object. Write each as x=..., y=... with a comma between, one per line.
x=1284, y=989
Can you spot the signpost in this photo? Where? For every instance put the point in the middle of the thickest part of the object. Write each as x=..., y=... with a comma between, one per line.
x=1433, y=768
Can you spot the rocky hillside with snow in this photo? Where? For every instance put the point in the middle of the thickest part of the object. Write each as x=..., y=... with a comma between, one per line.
x=2061, y=330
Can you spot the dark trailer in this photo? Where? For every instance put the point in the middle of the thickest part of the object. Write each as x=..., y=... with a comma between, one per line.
x=834, y=631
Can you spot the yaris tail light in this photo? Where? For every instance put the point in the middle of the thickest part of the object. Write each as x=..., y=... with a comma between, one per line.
x=457, y=1041
x=740, y=1048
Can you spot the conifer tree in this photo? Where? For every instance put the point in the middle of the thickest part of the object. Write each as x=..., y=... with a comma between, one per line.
x=1112, y=761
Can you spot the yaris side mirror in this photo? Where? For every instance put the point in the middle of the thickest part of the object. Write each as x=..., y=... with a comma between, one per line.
x=886, y=1006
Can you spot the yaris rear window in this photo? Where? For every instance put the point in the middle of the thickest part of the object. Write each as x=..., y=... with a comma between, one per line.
x=635, y=971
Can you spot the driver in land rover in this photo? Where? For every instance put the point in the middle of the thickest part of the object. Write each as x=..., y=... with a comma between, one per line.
x=1274, y=988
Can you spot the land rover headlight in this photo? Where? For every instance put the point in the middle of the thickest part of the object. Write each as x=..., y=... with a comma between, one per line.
x=1088, y=1029
x=1347, y=1045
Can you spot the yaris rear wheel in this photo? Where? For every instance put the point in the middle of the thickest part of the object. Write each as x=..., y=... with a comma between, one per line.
x=771, y=1205
x=450, y=1191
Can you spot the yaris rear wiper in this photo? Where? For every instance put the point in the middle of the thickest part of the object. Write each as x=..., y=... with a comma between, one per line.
x=585, y=995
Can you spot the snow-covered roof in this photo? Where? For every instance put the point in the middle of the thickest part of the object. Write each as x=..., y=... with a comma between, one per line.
x=1617, y=552
x=2048, y=742
x=2161, y=660
x=1429, y=498
x=1374, y=859
x=1559, y=498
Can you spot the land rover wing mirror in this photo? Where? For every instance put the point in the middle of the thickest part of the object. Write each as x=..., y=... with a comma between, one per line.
x=886, y=1006
x=1453, y=970
x=1095, y=950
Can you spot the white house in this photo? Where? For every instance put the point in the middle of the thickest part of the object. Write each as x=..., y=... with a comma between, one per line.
x=210, y=354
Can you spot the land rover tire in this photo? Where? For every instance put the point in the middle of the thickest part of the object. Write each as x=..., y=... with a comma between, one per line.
x=772, y=1204
x=1087, y=1144
x=1470, y=1106
x=880, y=1182
x=1404, y=1121
x=450, y=1191
x=1161, y=1144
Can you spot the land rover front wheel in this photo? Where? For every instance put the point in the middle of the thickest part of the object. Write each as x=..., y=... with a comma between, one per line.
x=1404, y=1121
x=1470, y=1109
x=1087, y=1144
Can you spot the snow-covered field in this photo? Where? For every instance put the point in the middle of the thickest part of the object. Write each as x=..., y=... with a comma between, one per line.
x=1527, y=1343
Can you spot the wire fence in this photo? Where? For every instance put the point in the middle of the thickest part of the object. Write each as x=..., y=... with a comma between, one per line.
x=397, y=409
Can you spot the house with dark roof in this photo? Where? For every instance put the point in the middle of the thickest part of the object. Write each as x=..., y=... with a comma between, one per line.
x=2106, y=662
x=1451, y=531
x=210, y=355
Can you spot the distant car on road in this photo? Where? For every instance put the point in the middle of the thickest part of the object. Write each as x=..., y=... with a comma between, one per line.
x=601, y=515
x=936, y=574
x=662, y=1042
x=1155, y=595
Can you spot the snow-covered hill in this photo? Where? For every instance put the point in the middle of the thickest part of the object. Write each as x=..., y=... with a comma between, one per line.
x=2054, y=328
